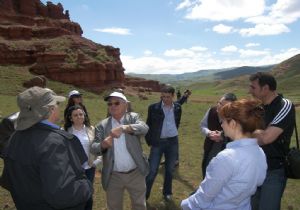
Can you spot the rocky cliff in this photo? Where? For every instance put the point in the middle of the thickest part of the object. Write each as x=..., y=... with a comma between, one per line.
x=43, y=39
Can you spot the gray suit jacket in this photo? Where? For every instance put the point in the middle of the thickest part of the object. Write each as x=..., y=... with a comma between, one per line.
x=133, y=145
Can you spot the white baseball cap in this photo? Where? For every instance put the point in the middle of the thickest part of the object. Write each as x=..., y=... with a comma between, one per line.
x=74, y=93
x=117, y=95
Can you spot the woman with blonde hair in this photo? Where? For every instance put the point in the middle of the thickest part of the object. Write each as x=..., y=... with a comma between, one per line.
x=235, y=173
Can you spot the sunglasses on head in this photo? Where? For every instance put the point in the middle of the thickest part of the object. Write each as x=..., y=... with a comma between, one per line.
x=117, y=103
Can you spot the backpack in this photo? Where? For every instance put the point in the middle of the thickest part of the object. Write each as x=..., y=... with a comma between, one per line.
x=6, y=129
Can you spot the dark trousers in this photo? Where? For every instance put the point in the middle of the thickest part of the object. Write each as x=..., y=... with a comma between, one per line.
x=268, y=196
x=90, y=174
x=169, y=148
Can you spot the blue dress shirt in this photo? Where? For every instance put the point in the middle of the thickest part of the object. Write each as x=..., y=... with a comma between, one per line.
x=169, y=128
x=231, y=178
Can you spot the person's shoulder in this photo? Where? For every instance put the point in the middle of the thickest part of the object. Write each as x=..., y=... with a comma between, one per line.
x=102, y=122
x=228, y=154
x=282, y=104
x=91, y=127
x=62, y=133
x=52, y=131
x=155, y=105
x=177, y=105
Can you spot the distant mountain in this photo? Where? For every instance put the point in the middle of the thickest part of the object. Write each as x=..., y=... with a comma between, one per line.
x=244, y=70
x=203, y=75
x=287, y=74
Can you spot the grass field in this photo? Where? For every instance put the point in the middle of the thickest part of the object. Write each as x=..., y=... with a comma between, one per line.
x=188, y=175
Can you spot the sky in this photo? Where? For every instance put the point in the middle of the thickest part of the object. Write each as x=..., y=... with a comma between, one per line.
x=180, y=36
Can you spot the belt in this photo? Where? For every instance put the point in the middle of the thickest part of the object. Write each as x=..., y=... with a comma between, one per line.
x=168, y=138
x=126, y=172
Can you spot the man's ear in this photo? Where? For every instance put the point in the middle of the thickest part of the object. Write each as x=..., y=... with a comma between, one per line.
x=265, y=88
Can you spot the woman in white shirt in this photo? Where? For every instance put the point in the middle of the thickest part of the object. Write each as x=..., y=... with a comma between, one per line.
x=235, y=173
x=77, y=123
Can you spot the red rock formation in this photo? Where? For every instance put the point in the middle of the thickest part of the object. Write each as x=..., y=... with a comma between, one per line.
x=33, y=13
x=140, y=82
x=43, y=37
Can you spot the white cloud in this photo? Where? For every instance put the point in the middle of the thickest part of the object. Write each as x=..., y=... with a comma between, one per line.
x=175, y=65
x=148, y=52
x=222, y=29
x=184, y=4
x=268, y=20
x=264, y=30
x=114, y=30
x=194, y=51
x=179, y=53
x=169, y=34
x=229, y=48
x=252, y=45
x=252, y=53
x=198, y=48
x=286, y=54
x=218, y=10
x=175, y=61
x=286, y=8
x=280, y=14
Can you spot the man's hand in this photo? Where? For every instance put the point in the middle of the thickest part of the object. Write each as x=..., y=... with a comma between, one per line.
x=116, y=132
x=107, y=142
x=215, y=136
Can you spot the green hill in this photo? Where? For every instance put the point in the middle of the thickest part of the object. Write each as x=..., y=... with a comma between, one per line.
x=188, y=176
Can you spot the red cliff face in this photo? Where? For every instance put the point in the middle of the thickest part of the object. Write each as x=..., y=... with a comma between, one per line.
x=43, y=38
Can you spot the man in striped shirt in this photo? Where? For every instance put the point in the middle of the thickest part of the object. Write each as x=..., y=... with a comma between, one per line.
x=274, y=140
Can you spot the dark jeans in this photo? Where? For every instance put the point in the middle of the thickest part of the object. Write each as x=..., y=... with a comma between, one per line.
x=268, y=196
x=169, y=148
x=90, y=174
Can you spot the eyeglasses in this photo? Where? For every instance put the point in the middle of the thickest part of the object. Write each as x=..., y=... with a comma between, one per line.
x=113, y=103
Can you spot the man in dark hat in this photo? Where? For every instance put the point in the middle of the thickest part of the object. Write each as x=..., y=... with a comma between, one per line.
x=43, y=162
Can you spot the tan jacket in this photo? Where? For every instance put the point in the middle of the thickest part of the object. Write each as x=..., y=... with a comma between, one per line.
x=90, y=130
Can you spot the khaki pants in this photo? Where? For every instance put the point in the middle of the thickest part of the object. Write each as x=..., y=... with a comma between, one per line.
x=134, y=183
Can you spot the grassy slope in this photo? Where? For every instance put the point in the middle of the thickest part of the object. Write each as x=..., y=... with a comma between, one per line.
x=188, y=175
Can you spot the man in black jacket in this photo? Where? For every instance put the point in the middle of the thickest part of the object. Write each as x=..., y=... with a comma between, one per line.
x=43, y=163
x=163, y=121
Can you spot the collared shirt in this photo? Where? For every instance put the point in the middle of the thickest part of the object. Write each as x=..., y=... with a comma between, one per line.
x=231, y=178
x=123, y=160
x=84, y=140
x=169, y=128
x=46, y=122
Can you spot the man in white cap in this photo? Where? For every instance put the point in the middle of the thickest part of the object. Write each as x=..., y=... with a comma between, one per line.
x=43, y=162
x=124, y=165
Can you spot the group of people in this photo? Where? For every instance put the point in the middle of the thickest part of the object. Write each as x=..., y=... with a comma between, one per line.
x=246, y=140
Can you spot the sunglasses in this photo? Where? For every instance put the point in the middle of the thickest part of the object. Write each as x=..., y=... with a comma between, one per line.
x=115, y=103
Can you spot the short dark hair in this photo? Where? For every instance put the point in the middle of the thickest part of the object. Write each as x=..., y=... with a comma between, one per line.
x=264, y=79
x=168, y=89
x=229, y=97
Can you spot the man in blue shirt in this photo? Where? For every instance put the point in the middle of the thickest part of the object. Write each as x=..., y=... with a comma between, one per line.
x=163, y=121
